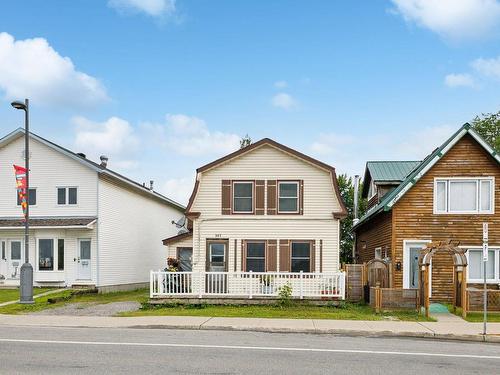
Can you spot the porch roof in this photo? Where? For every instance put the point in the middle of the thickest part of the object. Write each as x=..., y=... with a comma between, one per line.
x=177, y=237
x=52, y=222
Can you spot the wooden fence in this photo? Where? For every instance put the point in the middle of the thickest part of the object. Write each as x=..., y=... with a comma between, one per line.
x=475, y=299
x=355, y=282
x=393, y=299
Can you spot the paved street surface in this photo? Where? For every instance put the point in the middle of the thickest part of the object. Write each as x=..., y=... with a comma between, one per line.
x=53, y=350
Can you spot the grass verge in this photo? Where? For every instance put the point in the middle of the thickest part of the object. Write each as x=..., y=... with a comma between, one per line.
x=71, y=296
x=477, y=317
x=345, y=311
x=7, y=295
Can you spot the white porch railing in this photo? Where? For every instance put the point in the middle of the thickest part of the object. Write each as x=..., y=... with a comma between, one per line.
x=246, y=284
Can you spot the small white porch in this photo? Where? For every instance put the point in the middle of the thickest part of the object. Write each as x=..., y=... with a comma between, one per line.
x=247, y=285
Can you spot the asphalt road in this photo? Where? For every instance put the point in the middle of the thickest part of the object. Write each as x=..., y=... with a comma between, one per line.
x=29, y=350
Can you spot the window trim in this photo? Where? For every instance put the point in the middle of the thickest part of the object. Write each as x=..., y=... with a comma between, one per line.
x=373, y=189
x=496, y=269
x=478, y=181
x=278, y=183
x=31, y=205
x=67, y=196
x=233, y=211
x=246, y=253
x=311, y=249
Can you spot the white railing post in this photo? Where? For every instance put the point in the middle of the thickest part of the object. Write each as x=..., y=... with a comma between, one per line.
x=200, y=284
x=301, y=284
x=342, y=279
x=151, y=283
x=250, y=294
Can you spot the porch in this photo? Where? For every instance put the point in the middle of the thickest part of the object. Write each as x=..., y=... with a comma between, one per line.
x=247, y=285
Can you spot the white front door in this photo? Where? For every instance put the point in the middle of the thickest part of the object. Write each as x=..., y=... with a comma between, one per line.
x=13, y=259
x=411, y=253
x=84, y=260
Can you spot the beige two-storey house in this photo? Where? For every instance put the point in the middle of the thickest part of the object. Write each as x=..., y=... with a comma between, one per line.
x=264, y=208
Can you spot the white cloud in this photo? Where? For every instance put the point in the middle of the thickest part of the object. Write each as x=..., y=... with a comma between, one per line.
x=487, y=67
x=453, y=19
x=114, y=138
x=153, y=8
x=281, y=84
x=179, y=189
x=190, y=136
x=283, y=100
x=348, y=154
x=459, y=80
x=31, y=68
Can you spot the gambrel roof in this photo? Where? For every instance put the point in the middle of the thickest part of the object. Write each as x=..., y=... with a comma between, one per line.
x=287, y=150
x=120, y=179
x=391, y=198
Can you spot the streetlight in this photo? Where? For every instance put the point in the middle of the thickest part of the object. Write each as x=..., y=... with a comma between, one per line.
x=26, y=282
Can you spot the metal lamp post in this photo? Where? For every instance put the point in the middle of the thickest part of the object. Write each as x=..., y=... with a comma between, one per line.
x=26, y=283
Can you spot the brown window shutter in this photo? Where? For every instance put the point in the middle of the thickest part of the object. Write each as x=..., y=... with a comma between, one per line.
x=313, y=256
x=320, y=255
x=243, y=255
x=284, y=256
x=226, y=197
x=271, y=256
x=271, y=197
x=301, y=197
x=260, y=188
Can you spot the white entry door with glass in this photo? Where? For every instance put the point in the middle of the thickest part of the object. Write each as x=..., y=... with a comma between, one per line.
x=10, y=262
x=411, y=254
x=84, y=260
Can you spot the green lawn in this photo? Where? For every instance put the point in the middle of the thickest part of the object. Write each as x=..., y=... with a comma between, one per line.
x=7, y=295
x=347, y=311
x=68, y=296
x=297, y=310
x=477, y=317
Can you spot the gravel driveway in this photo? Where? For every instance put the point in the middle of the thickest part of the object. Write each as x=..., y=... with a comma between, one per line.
x=91, y=309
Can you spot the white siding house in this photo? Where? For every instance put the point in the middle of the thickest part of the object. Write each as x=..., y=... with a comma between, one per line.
x=265, y=208
x=88, y=224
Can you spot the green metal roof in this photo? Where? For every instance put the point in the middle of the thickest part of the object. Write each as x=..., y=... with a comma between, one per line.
x=411, y=179
x=390, y=170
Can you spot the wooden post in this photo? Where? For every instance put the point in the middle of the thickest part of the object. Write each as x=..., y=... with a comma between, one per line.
x=455, y=281
x=426, y=291
x=378, y=297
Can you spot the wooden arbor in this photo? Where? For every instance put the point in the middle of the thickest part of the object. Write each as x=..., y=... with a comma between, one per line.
x=459, y=274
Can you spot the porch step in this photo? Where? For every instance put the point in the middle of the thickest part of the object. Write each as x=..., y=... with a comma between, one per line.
x=83, y=286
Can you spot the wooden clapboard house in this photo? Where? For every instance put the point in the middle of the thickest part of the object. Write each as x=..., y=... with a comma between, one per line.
x=445, y=197
x=264, y=208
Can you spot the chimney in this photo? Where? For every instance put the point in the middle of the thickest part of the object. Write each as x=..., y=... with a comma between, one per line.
x=356, y=199
x=104, y=161
x=151, y=182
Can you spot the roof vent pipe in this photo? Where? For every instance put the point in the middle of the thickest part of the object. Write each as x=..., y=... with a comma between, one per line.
x=356, y=200
x=104, y=161
x=151, y=182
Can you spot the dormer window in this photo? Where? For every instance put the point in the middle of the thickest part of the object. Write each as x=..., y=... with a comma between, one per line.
x=464, y=195
x=243, y=192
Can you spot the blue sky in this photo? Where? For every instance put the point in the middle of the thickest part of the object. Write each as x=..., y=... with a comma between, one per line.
x=165, y=86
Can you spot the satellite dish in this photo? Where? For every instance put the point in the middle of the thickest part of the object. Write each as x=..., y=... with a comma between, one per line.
x=180, y=223
x=182, y=231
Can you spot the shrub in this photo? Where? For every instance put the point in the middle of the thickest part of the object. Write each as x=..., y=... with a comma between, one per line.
x=285, y=295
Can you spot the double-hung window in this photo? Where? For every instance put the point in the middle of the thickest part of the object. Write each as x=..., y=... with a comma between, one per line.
x=301, y=257
x=243, y=193
x=46, y=254
x=288, y=197
x=255, y=256
x=32, y=197
x=476, y=265
x=464, y=195
x=67, y=196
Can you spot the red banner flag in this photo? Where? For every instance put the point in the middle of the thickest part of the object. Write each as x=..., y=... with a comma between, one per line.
x=21, y=187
